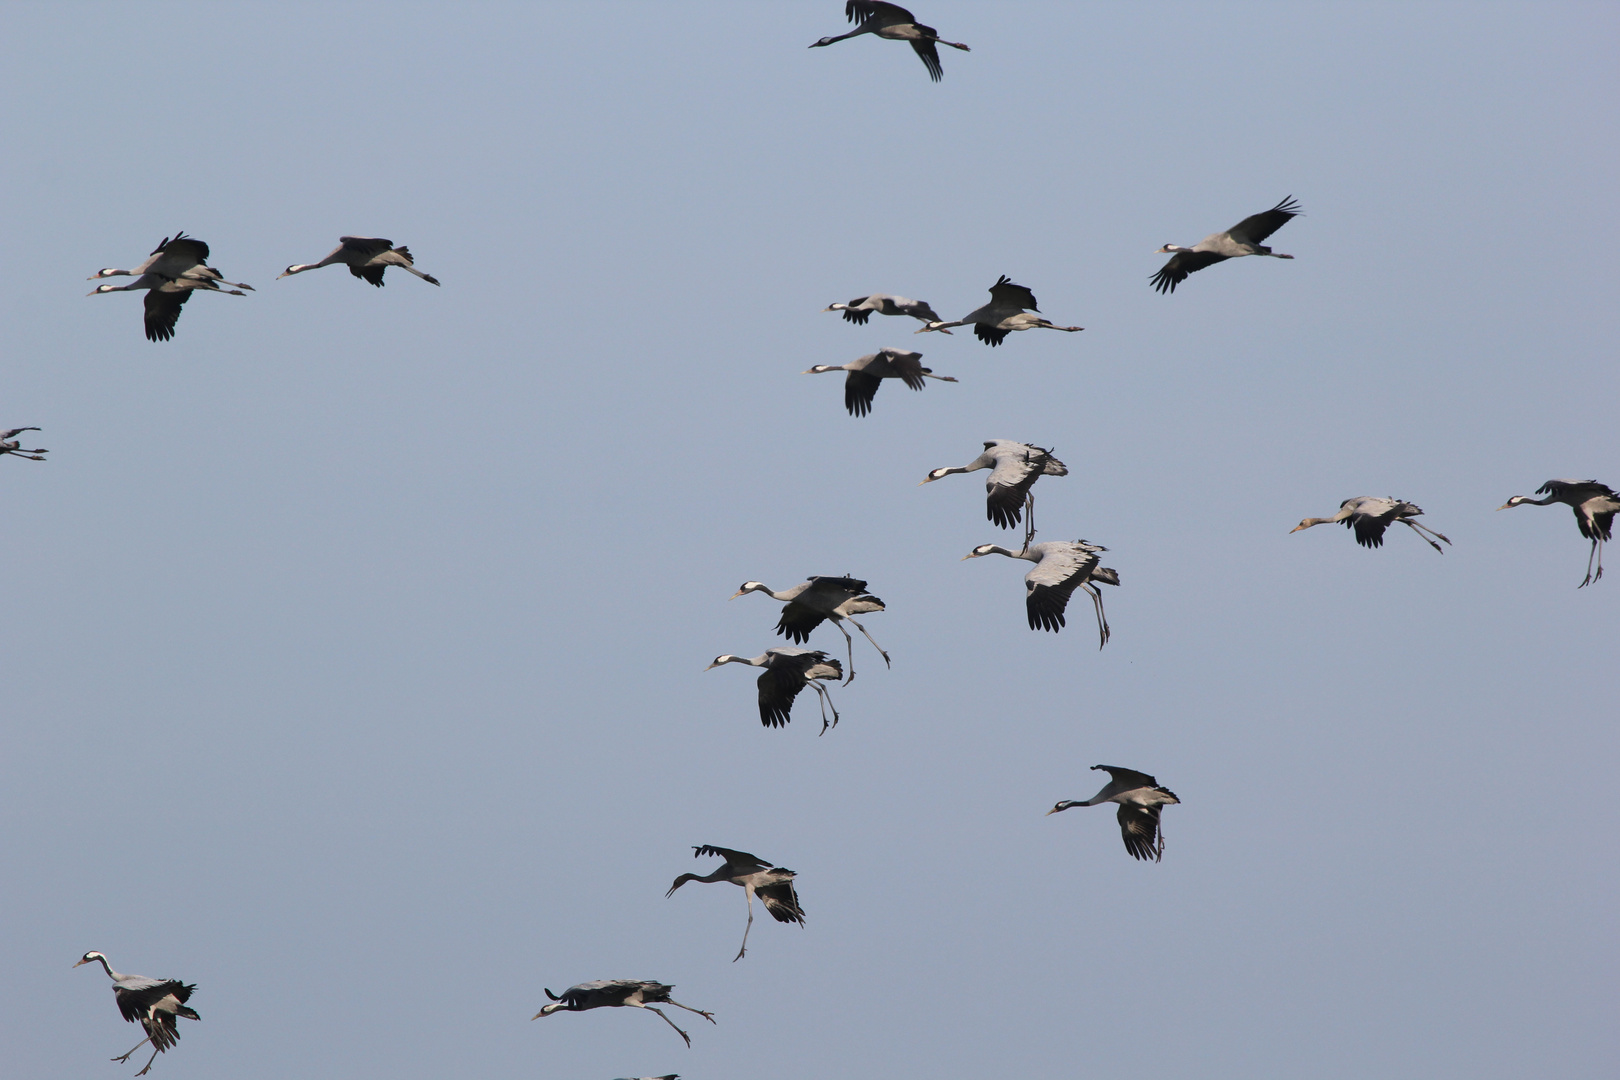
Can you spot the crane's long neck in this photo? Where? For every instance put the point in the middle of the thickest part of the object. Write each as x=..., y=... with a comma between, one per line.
x=1029, y=555
x=115, y=976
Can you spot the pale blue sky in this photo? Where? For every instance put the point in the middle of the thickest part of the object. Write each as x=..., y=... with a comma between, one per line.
x=357, y=636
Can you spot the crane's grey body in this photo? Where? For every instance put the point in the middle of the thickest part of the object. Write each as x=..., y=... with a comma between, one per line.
x=366, y=257
x=808, y=604
x=1240, y=240
x=1061, y=566
x=1594, y=504
x=1004, y=314
x=164, y=299
x=774, y=884
x=788, y=671
x=1140, y=800
x=895, y=23
x=613, y=993
x=1369, y=515
x=184, y=256
x=867, y=373
x=1014, y=468
x=860, y=309
x=153, y=1003
x=10, y=444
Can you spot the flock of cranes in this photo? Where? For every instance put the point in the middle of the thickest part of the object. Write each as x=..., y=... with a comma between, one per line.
x=178, y=267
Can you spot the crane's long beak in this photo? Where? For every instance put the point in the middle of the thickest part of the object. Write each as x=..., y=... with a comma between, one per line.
x=80, y=963
x=1295, y=529
x=1505, y=505
x=736, y=594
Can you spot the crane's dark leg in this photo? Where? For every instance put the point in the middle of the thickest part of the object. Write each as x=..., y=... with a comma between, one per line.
x=849, y=642
x=1593, y=554
x=875, y=645
x=1420, y=530
x=707, y=1016
x=1029, y=519
x=137, y=1046
x=826, y=701
x=1102, y=623
x=670, y=1022
x=149, y=1061
x=749, y=890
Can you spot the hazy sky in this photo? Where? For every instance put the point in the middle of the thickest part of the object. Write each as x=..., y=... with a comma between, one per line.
x=355, y=667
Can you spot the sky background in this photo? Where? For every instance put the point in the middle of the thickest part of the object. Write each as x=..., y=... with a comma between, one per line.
x=356, y=637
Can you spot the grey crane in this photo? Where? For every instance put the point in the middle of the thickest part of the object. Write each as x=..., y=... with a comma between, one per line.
x=613, y=993
x=184, y=256
x=1370, y=515
x=1061, y=566
x=819, y=598
x=671, y=1076
x=867, y=373
x=788, y=671
x=774, y=884
x=861, y=308
x=164, y=299
x=1241, y=239
x=366, y=257
x=10, y=444
x=895, y=23
x=1004, y=314
x=153, y=1003
x=1594, y=504
x=1140, y=800
x=1015, y=466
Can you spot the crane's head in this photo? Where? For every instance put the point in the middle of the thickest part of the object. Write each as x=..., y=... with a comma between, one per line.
x=108, y=271
x=90, y=958
x=747, y=587
x=1517, y=500
x=547, y=1010
x=823, y=41
x=821, y=369
x=725, y=658
x=1063, y=806
x=937, y=474
x=982, y=549
x=104, y=289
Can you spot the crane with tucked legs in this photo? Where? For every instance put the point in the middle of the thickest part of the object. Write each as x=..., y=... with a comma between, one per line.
x=1140, y=800
x=10, y=444
x=818, y=599
x=152, y=1003
x=867, y=373
x=366, y=257
x=614, y=993
x=895, y=23
x=164, y=299
x=1015, y=467
x=1369, y=515
x=1594, y=504
x=1061, y=566
x=1004, y=314
x=861, y=308
x=788, y=671
x=774, y=884
x=1240, y=240
x=184, y=256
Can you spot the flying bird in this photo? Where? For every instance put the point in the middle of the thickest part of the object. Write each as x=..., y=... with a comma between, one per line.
x=861, y=308
x=788, y=671
x=895, y=23
x=1594, y=504
x=1061, y=566
x=1241, y=239
x=820, y=598
x=1140, y=800
x=1369, y=516
x=164, y=299
x=10, y=444
x=868, y=372
x=184, y=256
x=1004, y=314
x=1014, y=468
x=774, y=884
x=613, y=993
x=366, y=257
x=153, y=1003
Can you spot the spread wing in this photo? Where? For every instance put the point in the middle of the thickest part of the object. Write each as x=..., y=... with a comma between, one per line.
x=859, y=390
x=1139, y=825
x=1372, y=516
x=163, y=311
x=1009, y=483
x=782, y=901
x=1048, y=587
x=904, y=364
x=1005, y=294
x=369, y=246
x=1256, y=227
x=865, y=10
x=186, y=247
x=736, y=858
x=1181, y=264
x=373, y=274
x=854, y=313
x=778, y=686
x=797, y=621
x=1122, y=779
x=990, y=335
x=928, y=53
